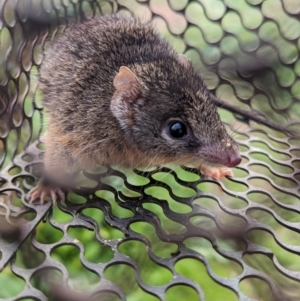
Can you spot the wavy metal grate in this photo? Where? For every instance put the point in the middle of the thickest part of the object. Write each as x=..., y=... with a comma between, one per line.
x=239, y=237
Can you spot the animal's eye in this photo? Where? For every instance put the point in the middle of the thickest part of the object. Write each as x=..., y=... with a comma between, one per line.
x=177, y=129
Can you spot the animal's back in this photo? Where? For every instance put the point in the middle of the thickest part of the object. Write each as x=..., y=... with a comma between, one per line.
x=79, y=70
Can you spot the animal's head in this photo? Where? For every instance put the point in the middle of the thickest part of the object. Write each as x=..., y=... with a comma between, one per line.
x=166, y=112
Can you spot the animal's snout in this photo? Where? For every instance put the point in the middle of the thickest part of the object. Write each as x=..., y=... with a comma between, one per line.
x=233, y=159
x=220, y=156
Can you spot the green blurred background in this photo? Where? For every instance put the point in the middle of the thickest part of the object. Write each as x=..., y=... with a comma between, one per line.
x=221, y=38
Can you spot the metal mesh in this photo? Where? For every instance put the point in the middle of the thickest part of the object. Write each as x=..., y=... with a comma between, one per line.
x=239, y=236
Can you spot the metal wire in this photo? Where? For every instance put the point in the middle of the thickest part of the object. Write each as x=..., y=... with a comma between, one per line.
x=248, y=55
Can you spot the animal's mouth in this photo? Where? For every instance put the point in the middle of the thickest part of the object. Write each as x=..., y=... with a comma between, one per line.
x=220, y=158
x=218, y=165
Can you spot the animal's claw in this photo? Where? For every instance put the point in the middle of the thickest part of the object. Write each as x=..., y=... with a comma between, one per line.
x=216, y=173
x=41, y=191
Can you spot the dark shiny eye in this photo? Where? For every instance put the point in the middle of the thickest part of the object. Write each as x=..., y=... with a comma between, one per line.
x=177, y=129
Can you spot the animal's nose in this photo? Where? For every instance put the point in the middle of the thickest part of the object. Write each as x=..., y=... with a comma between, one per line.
x=233, y=160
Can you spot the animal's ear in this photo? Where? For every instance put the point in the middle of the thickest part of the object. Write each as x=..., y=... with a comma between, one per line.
x=126, y=80
x=128, y=87
x=129, y=90
x=183, y=60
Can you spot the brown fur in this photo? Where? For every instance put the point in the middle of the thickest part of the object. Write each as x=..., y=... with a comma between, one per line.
x=96, y=120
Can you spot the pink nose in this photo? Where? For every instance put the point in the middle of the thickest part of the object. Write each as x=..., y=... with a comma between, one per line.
x=233, y=160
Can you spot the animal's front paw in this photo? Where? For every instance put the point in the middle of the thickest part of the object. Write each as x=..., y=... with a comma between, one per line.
x=42, y=191
x=216, y=173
